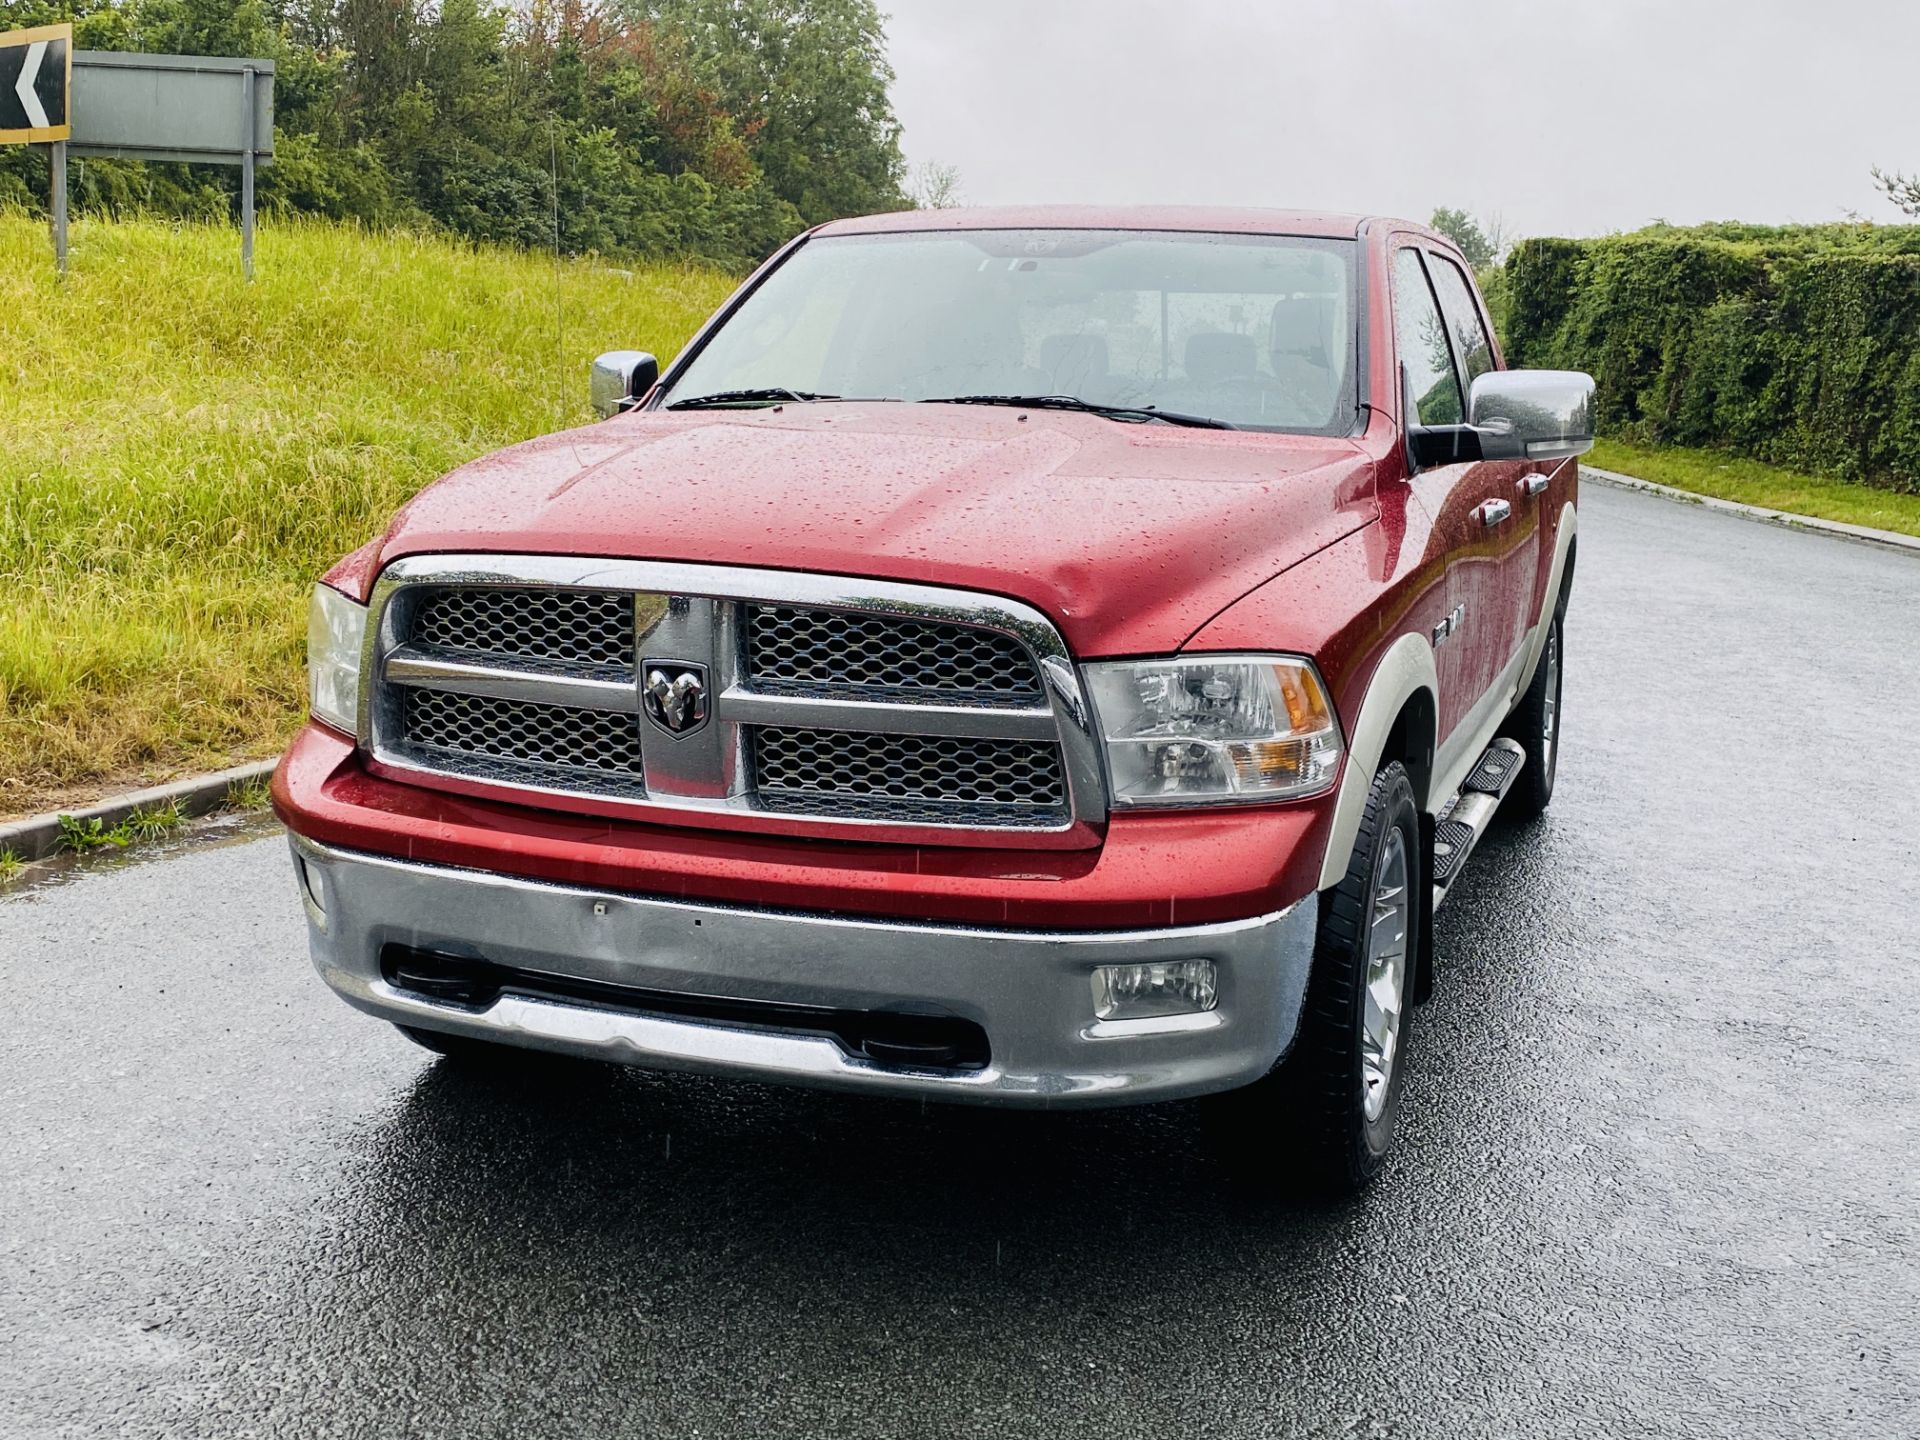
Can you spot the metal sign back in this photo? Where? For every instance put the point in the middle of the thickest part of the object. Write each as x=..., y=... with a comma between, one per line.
x=36, y=77
x=171, y=107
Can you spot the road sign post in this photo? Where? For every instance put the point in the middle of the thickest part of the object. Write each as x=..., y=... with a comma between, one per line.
x=248, y=78
x=59, y=206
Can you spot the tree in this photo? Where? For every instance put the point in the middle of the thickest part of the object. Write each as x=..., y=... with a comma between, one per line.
x=806, y=80
x=935, y=187
x=1902, y=189
x=1461, y=228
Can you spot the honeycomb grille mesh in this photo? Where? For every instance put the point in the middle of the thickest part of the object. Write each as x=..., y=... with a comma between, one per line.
x=830, y=652
x=564, y=627
x=933, y=778
x=597, y=743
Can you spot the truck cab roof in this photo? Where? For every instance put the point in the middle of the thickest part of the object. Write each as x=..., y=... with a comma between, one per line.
x=1214, y=218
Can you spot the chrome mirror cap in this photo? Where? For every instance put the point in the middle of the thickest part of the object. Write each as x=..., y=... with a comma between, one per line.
x=620, y=379
x=1533, y=414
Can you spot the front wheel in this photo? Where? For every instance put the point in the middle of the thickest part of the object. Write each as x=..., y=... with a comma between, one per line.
x=1326, y=1115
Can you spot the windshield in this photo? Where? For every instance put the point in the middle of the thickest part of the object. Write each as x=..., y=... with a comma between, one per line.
x=1256, y=331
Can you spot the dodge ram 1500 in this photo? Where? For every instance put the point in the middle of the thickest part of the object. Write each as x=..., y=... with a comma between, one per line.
x=1044, y=657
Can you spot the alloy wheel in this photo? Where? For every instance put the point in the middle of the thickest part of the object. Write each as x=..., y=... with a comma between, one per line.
x=1387, y=928
x=1550, y=709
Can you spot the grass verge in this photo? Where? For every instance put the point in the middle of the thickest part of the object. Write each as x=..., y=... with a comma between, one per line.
x=182, y=453
x=1728, y=477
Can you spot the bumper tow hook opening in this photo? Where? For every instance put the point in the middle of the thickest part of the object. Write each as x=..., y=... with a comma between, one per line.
x=450, y=979
x=912, y=1054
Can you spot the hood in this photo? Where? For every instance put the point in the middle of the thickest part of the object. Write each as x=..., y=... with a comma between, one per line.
x=1130, y=537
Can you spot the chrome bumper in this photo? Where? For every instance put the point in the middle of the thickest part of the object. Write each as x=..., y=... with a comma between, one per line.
x=1030, y=991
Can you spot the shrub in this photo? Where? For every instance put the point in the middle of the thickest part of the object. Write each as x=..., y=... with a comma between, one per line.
x=1795, y=345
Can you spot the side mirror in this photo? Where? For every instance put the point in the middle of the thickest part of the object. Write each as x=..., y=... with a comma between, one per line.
x=620, y=379
x=1532, y=414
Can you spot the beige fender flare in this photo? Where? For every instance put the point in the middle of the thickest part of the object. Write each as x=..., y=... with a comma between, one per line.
x=1406, y=669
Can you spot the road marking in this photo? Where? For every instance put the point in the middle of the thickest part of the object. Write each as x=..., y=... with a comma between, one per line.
x=23, y=87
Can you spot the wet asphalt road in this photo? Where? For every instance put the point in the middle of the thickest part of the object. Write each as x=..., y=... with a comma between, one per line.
x=1659, y=1171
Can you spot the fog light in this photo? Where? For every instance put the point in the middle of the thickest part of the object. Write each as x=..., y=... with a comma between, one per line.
x=1166, y=987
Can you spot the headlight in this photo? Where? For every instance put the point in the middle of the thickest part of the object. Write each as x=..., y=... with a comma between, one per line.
x=1215, y=729
x=335, y=628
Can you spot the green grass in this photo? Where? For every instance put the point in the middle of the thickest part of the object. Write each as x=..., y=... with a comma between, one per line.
x=12, y=867
x=246, y=795
x=84, y=836
x=181, y=454
x=152, y=824
x=144, y=824
x=1728, y=477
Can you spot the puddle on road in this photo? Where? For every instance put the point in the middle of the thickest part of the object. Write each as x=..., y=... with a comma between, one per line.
x=207, y=832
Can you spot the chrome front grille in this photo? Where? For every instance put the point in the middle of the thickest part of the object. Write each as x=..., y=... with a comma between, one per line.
x=833, y=652
x=548, y=744
x=563, y=627
x=927, y=778
x=829, y=702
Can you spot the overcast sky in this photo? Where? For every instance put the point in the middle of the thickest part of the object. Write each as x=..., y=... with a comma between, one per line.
x=1564, y=116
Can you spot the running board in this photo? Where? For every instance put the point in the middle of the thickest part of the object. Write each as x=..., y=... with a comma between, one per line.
x=1467, y=817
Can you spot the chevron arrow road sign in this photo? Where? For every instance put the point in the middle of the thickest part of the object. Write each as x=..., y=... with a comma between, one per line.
x=36, y=78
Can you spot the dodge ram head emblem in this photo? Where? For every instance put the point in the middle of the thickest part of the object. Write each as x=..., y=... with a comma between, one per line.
x=676, y=695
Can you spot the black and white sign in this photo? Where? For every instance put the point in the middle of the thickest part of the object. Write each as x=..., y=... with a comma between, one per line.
x=36, y=77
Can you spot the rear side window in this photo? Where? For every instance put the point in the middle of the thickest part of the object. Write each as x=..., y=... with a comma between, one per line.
x=1433, y=388
x=1463, y=318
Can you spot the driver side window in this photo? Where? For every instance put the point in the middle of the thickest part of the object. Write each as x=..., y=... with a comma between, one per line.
x=1433, y=385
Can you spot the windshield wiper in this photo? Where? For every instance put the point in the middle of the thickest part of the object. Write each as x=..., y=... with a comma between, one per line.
x=769, y=395
x=1134, y=414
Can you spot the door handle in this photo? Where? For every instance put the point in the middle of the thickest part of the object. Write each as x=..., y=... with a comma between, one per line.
x=1496, y=512
x=1533, y=484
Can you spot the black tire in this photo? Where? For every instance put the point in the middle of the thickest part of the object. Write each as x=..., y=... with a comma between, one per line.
x=462, y=1049
x=1535, y=724
x=1307, y=1122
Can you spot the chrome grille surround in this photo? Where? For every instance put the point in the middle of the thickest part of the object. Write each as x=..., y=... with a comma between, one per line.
x=1008, y=751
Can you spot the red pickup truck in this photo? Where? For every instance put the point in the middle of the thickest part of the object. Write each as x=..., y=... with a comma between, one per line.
x=1045, y=657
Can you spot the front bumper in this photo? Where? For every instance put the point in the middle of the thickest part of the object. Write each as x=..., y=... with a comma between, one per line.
x=1153, y=868
x=1029, y=990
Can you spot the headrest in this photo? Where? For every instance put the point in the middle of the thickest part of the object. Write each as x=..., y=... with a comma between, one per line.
x=1072, y=359
x=1214, y=355
x=1303, y=326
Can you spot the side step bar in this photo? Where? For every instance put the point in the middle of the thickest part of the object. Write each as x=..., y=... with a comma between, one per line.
x=1466, y=819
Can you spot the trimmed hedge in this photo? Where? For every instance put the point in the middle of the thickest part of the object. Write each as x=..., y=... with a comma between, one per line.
x=1797, y=346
